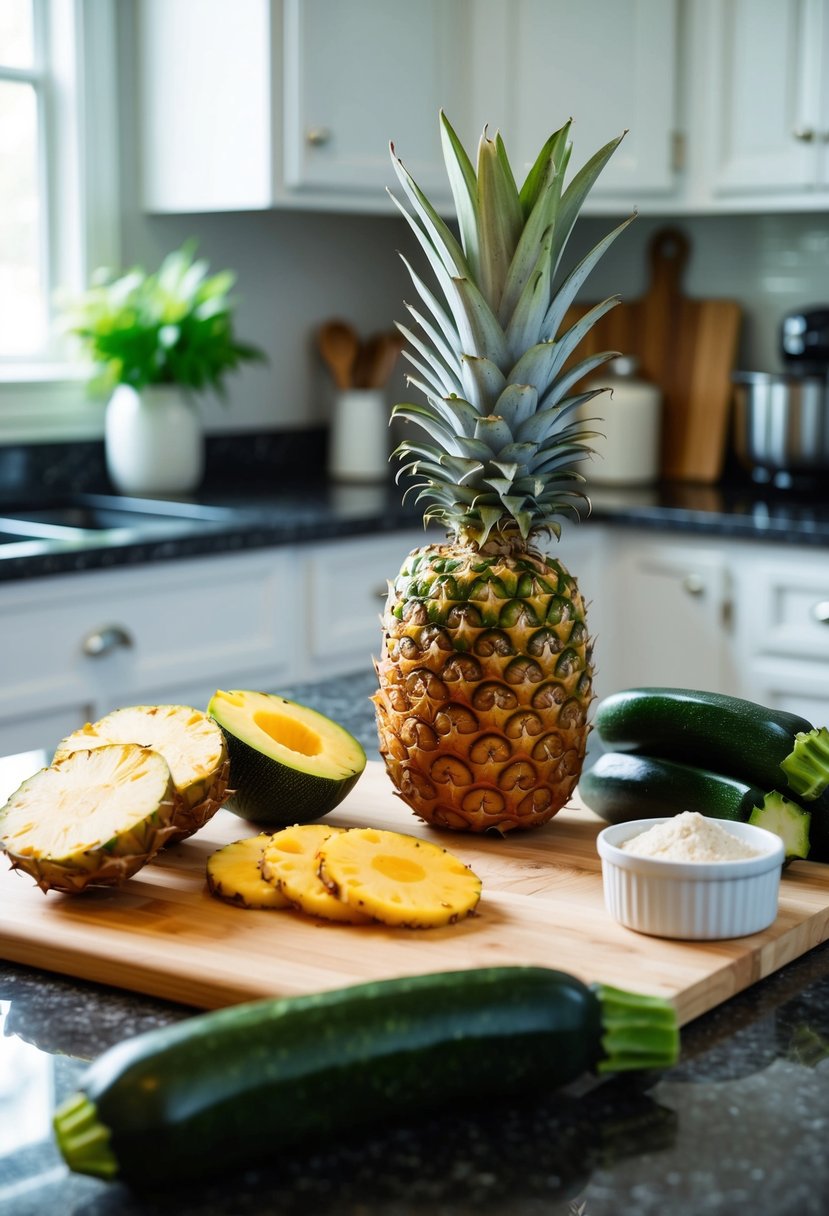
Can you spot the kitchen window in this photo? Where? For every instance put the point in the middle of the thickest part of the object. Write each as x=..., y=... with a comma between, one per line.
x=58, y=194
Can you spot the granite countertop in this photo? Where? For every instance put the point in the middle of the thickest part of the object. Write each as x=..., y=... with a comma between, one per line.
x=256, y=517
x=271, y=489
x=738, y=1125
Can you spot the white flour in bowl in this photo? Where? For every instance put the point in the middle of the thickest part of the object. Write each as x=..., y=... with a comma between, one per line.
x=689, y=837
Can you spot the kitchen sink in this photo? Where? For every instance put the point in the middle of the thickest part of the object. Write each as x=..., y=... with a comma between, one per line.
x=70, y=517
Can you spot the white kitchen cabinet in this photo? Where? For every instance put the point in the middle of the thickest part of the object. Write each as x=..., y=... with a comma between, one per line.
x=610, y=67
x=356, y=75
x=206, y=107
x=667, y=614
x=294, y=102
x=781, y=604
x=346, y=585
x=75, y=646
x=763, y=86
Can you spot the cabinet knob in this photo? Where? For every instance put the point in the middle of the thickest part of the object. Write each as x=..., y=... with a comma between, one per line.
x=317, y=136
x=820, y=612
x=693, y=583
x=804, y=134
x=101, y=642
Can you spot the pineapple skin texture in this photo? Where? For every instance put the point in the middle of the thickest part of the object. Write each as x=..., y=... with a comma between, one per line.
x=485, y=685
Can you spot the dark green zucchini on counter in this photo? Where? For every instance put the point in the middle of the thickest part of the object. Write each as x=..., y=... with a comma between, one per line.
x=768, y=748
x=621, y=787
x=243, y=1085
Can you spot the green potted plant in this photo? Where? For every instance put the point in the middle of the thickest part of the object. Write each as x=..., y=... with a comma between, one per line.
x=156, y=342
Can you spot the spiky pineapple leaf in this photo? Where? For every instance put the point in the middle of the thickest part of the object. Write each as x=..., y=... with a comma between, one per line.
x=500, y=218
x=516, y=404
x=442, y=350
x=434, y=368
x=438, y=311
x=494, y=432
x=526, y=325
x=566, y=293
x=557, y=150
x=543, y=217
x=572, y=200
x=479, y=329
x=464, y=186
x=483, y=382
x=438, y=231
x=567, y=343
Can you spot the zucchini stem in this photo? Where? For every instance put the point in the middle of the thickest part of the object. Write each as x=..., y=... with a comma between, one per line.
x=83, y=1139
x=807, y=765
x=638, y=1031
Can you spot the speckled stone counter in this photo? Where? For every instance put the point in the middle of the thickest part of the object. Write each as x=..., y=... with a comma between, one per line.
x=739, y=1125
x=255, y=498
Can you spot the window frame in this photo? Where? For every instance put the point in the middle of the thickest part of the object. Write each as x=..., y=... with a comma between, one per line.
x=76, y=78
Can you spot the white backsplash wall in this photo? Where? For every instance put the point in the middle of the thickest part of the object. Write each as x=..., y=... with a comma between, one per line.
x=297, y=269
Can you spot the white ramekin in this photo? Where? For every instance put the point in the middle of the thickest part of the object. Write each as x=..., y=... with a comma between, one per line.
x=693, y=900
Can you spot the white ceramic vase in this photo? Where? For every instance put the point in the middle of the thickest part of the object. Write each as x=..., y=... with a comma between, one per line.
x=154, y=441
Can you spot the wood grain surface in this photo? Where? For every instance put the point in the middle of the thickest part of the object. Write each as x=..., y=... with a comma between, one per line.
x=542, y=903
x=688, y=347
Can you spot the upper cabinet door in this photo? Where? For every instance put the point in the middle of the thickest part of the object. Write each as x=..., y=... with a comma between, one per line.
x=360, y=75
x=764, y=114
x=610, y=67
x=204, y=93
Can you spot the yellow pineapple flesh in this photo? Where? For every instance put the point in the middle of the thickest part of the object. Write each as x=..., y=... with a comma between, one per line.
x=92, y=818
x=398, y=879
x=192, y=744
x=234, y=874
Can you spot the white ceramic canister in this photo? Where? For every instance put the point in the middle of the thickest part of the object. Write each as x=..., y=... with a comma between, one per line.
x=359, y=441
x=630, y=421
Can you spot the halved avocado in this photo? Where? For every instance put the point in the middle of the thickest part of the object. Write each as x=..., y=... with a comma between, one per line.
x=288, y=764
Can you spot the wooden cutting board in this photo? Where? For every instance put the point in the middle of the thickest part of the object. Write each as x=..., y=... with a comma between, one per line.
x=542, y=903
x=688, y=347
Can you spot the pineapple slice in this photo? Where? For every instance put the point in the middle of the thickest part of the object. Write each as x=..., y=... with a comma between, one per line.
x=192, y=744
x=91, y=819
x=291, y=861
x=398, y=879
x=234, y=874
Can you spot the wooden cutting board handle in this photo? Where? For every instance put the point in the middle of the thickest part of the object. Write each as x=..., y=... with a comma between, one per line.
x=668, y=255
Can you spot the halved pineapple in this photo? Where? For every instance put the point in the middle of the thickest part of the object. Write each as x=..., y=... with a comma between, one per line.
x=234, y=874
x=91, y=819
x=291, y=861
x=192, y=744
x=398, y=879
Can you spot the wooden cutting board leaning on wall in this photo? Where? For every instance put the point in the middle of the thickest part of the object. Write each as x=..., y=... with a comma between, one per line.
x=688, y=347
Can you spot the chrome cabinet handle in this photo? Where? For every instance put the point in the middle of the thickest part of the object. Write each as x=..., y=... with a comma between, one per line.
x=820, y=612
x=804, y=134
x=317, y=136
x=101, y=642
x=693, y=583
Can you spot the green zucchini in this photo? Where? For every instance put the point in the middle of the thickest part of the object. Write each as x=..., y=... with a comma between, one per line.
x=770, y=748
x=232, y=1087
x=621, y=787
x=787, y=820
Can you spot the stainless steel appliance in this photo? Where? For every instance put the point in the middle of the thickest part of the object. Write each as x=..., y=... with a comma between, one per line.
x=781, y=419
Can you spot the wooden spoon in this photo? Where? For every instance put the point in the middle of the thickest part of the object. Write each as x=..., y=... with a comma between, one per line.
x=377, y=359
x=338, y=344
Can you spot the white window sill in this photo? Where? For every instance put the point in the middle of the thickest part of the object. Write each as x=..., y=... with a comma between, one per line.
x=43, y=403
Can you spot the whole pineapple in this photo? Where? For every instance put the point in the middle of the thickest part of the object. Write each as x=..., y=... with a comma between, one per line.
x=486, y=672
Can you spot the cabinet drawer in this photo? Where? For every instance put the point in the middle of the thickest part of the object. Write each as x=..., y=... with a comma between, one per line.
x=347, y=590
x=789, y=613
x=120, y=636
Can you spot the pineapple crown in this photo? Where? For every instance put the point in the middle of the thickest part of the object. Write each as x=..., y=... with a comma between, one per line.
x=489, y=357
